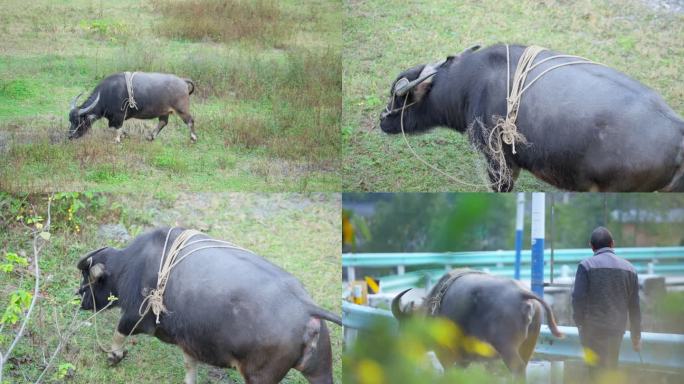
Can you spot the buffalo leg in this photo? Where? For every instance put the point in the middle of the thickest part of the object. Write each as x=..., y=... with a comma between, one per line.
x=265, y=375
x=190, y=369
x=163, y=120
x=268, y=367
x=119, y=133
x=527, y=347
x=318, y=368
x=117, y=351
x=511, y=357
x=187, y=119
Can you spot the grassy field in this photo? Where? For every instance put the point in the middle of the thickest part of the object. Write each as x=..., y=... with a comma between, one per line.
x=299, y=232
x=266, y=108
x=383, y=38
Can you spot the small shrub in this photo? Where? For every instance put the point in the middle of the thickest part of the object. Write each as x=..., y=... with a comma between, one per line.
x=107, y=174
x=19, y=89
x=169, y=160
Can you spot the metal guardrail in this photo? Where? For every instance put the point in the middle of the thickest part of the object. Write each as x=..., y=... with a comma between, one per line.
x=395, y=283
x=658, y=260
x=660, y=350
x=499, y=257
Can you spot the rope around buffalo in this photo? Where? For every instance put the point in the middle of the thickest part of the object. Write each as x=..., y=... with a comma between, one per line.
x=505, y=129
x=437, y=294
x=155, y=299
x=129, y=102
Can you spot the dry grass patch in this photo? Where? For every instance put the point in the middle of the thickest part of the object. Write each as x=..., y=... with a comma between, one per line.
x=225, y=21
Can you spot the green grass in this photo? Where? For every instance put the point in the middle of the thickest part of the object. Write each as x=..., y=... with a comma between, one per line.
x=268, y=94
x=299, y=232
x=381, y=39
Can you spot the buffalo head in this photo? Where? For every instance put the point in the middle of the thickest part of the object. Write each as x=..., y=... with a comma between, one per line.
x=80, y=117
x=93, y=267
x=409, y=92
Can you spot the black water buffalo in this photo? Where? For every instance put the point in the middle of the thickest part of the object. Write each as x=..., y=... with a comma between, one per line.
x=588, y=127
x=495, y=310
x=156, y=95
x=225, y=307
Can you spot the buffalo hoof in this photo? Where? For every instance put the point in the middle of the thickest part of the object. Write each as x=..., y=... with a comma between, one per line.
x=150, y=137
x=114, y=357
x=193, y=138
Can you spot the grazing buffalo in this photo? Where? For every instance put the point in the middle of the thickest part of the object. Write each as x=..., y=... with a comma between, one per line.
x=495, y=310
x=224, y=306
x=155, y=95
x=588, y=127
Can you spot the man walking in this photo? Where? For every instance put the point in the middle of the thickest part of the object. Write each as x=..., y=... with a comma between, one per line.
x=605, y=294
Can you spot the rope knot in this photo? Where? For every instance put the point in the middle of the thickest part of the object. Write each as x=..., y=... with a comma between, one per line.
x=508, y=132
x=156, y=302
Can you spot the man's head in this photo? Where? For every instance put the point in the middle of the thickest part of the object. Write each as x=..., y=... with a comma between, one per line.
x=601, y=238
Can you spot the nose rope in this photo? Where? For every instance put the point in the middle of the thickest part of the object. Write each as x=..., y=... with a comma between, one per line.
x=422, y=160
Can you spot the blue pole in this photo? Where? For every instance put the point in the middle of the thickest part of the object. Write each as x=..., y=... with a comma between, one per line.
x=538, y=216
x=519, y=222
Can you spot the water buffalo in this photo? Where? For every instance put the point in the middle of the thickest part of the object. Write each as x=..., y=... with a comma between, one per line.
x=495, y=310
x=156, y=95
x=588, y=127
x=225, y=307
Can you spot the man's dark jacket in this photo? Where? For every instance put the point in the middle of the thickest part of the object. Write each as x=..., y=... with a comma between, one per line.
x=606, y=292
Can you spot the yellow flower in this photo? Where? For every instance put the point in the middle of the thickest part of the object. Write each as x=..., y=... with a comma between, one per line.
x=474, y=346
x=370, y=372
x=590, y=357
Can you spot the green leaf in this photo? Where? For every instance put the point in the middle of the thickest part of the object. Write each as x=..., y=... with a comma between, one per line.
x=45, y=235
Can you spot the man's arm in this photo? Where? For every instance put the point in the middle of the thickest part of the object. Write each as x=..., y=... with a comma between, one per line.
x=579, y=295
x=634, y=312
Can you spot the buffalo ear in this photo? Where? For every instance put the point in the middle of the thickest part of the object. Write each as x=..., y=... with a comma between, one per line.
x=422, y=89
x=470, y=49
x=97, y=271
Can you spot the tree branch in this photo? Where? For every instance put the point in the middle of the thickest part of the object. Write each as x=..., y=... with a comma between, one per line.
x=36, y=289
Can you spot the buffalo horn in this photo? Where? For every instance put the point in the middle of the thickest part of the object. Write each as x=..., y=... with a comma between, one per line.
x=402, y=87
x=83, y=262
x=396, y=307
x=73, y=102
x=89, y=108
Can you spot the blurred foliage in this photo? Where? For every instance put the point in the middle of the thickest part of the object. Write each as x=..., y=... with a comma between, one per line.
x=436, y=222
x=415, y=222
x=635, y=219
x=668, y=312
x=381, y=356
x=353, y=227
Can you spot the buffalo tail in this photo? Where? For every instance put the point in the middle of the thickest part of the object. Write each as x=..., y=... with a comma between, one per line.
x=549, y=314
x=324, y=314
x=191, y=84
